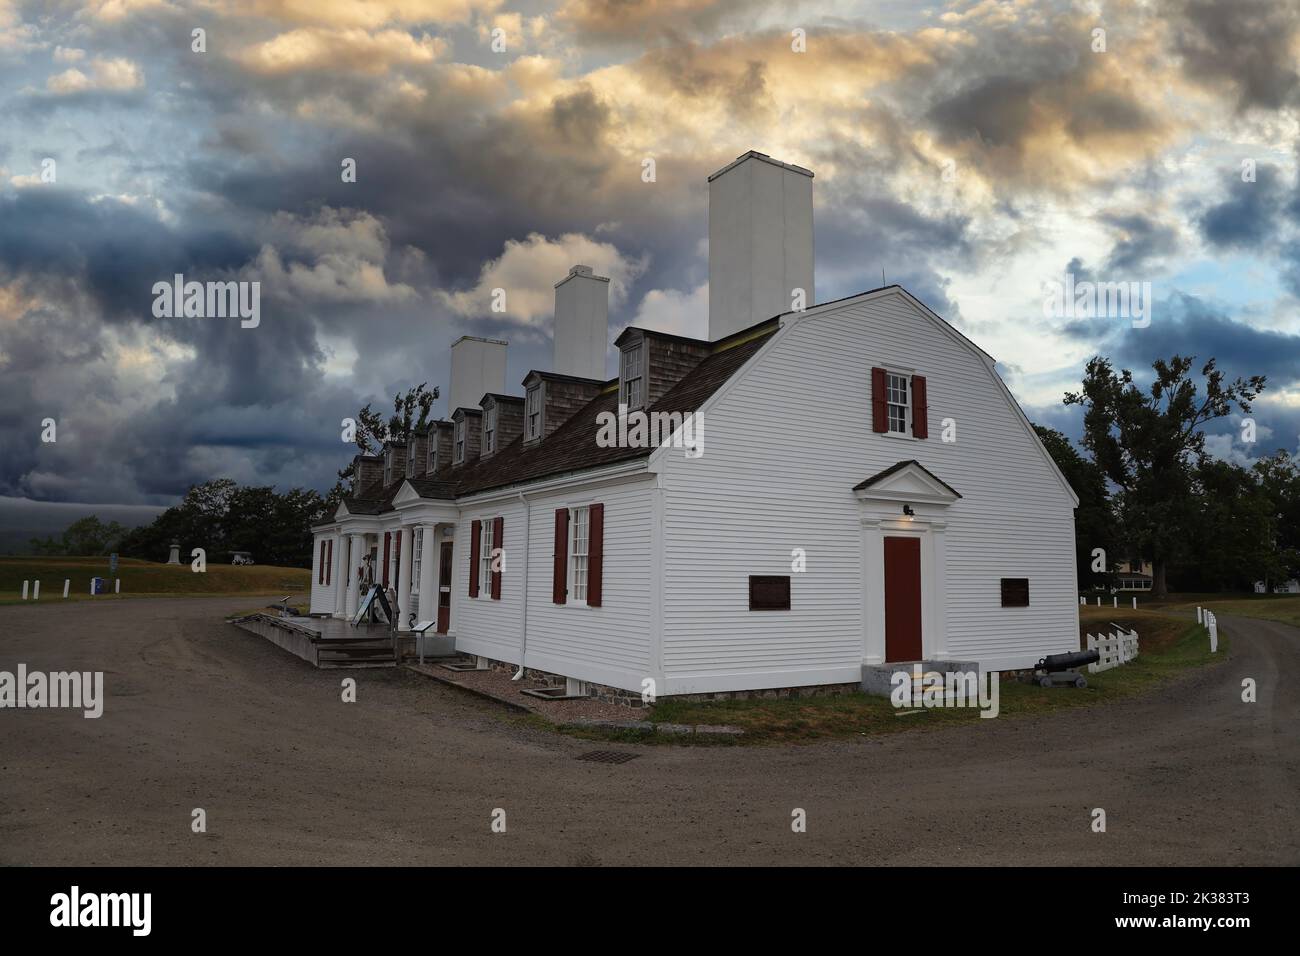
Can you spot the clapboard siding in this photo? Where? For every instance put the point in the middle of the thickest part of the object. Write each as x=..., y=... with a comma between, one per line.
x=786, y=443
x=322, y=595
x=484, y=626
x=608, y=644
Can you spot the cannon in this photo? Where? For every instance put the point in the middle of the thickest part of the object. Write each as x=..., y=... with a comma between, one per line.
x=1063, y=669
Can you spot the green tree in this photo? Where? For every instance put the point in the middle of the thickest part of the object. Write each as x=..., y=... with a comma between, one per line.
x=410, y=413
x=1148, y=443
x=85, y=536
x=1235, y=528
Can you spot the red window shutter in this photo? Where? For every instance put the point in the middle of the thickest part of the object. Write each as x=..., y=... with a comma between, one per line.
x=329, y=565
x=475, y=531
x=388, y=542
x=920, y=410
x=560, y=585
x=879, y=413
x=498, y=536
x=595, y=553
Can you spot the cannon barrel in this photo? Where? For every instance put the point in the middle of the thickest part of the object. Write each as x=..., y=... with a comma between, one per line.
x=1065, y=662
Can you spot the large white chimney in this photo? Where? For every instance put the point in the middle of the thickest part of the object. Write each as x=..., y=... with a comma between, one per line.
x=478, y=366
x=760, y=241
x=581, y=324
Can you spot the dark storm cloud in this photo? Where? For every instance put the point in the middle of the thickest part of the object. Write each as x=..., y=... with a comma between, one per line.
x=1250, y=213
x=1184, y=325
x=112, y=251
x=1246, y=44
x=1142, y=240
x=996, y=111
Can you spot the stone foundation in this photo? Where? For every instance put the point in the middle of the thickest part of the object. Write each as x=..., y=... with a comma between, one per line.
x=632, y=699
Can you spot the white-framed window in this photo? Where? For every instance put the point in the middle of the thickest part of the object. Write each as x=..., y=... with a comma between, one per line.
x=533, y=413
x=410, y=456
x=579, y=525
x=388, y=467
x=632, y=384
x=485, y=558
x=489, y=429
x=459, y=456
x=433, y=451
x=417, y=551
x=898, y=400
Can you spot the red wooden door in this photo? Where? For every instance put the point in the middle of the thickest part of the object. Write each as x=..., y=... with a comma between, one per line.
x=444, y=588
x=902, y=599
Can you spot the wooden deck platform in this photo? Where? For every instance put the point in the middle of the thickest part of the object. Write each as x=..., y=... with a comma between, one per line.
x=325, y=641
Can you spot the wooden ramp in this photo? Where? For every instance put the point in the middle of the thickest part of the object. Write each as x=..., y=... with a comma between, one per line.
x=324, y=641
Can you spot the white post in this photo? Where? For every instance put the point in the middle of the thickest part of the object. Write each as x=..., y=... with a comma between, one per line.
x=67, y=583
x=406, y=554
x=24, y=590
x=117, y=586
x=428, y=583
x=1115, y=601
x=36, y=591
x=1198, y=615
x=1135, y=602
x=355, y=544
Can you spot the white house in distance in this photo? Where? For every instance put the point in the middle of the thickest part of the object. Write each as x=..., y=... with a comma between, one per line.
x=860, y=488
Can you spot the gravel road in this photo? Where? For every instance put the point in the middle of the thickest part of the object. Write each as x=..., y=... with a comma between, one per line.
x=201, y=714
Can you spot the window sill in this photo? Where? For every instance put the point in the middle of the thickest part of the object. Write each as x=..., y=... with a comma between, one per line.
x=902, y=436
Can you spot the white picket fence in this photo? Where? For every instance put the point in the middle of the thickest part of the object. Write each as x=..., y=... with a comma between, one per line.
x=1116, y=648
x=1205, y=616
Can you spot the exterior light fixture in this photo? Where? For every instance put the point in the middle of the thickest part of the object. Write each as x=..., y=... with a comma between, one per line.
x=907, y=510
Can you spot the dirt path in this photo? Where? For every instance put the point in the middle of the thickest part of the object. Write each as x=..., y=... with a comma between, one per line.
x=201, y=714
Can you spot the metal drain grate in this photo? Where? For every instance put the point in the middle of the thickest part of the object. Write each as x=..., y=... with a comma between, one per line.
x=609, y=756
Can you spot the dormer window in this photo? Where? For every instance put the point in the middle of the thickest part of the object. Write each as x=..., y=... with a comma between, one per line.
x=897, y=399
x=410, y=458
x=489, y=429
x=433, y=451
x=388, y=467
x=458, y=456
x=631, y=378
x=533, y=413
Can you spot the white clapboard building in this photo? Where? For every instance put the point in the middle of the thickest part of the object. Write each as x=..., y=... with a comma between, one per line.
x=849, y=484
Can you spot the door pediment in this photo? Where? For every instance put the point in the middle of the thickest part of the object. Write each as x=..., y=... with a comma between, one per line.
x=906, y=481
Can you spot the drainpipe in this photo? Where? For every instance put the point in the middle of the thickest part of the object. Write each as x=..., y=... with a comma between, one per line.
x=523, y=615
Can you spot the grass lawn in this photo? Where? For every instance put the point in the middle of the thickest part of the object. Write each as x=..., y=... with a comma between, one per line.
x=1169, y=645
x=144, y=579
x=1268, y=607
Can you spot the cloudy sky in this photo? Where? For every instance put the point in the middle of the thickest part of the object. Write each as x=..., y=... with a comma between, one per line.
x=972, y=151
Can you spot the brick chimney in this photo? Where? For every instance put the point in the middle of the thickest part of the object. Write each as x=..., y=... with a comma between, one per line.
x=581, y=338
x=760, y=241
x=478, y=366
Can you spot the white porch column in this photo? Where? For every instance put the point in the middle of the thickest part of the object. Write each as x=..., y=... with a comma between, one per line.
x=356, y=546
x=338, y=574
x=429, y=553
x=404, y=579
